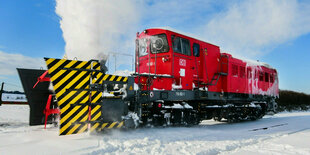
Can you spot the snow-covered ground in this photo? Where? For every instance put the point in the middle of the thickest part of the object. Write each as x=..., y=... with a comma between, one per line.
x=284, y=133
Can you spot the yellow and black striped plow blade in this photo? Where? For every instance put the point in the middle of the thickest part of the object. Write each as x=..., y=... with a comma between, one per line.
x=79, y=104
x=105, y=126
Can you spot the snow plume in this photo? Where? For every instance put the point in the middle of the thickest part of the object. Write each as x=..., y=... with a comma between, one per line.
x=251, y=27
x=93, y=27
x=248, y=28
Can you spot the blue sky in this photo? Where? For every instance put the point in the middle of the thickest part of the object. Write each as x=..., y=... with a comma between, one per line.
x=276, y=32
x=30, y=28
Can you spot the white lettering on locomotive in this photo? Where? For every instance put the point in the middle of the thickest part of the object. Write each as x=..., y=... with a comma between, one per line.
x=182, y=72
x=180, y=93
x=150, y=64
x=182, y=62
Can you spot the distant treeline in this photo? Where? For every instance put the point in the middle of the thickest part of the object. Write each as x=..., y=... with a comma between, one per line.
x=13, y=92
x=290, y=100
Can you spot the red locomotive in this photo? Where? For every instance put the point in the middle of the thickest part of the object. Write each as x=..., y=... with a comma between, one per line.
x=196, y=73
x=181, y=62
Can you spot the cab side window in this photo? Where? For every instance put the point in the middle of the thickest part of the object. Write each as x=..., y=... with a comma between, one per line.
x=186, y=48
x=249, y=73
x=235, y=70
x=176, y=44
x=266, y=77
x=261, y=76
x=196, y=49
x=242, y=72
x=181, y=45
x=271, y=78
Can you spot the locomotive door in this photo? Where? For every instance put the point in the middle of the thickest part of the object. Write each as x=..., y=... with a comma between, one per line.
x=211, y=67
x=197, y=63
x=183, y=71
x=183, y=63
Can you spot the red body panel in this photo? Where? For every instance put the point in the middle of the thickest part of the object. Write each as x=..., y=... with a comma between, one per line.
x=175, y=70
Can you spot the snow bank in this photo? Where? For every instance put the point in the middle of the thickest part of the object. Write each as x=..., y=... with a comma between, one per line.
x=207, y=138
x=14, y=114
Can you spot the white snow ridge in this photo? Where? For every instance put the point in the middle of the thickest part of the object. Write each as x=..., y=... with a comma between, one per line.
x=283, y=133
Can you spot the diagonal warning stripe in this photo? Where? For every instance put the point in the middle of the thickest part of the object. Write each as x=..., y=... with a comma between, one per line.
x=66, y=84
x=71, y=81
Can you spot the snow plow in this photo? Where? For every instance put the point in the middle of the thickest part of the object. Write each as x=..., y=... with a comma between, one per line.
x=37, y=96
x=80, y=89
x=83, y=99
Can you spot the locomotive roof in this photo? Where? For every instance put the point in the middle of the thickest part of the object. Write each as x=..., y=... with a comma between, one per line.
x=183, y=33
x=257, y=63
x=248, y=61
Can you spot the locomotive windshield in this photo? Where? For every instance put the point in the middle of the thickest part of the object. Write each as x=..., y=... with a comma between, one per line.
x=142, y=46
x=158, y=44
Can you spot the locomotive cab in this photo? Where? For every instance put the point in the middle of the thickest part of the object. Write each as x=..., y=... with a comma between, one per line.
x=153, y=60
x=166, y=60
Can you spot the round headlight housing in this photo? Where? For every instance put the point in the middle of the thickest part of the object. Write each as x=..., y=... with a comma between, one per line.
x=158, y=44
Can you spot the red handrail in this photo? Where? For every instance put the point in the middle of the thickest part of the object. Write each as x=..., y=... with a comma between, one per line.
x=42, y=78
x=47, y=111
